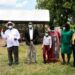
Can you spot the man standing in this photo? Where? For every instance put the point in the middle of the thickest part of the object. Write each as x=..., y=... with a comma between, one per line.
x=12, y=36
x=31, y=36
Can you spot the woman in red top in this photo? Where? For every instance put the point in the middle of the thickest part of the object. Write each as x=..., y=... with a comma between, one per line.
x=54, y=51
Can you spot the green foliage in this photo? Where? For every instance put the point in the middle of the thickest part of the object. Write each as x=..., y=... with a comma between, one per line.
x=58, y=7
x=67, y=5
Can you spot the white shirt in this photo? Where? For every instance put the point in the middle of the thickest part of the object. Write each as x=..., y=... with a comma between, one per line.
x=47, y=41
x=31, y=33
x=10, y=35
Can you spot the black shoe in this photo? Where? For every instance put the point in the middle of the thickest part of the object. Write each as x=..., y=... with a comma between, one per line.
x=16, y=63
x=73, y=66
x=67, y=63
x=63, y=63
x=10, y=64
x=44, y=62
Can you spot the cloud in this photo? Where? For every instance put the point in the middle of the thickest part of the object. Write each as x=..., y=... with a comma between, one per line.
x=17, y=4
x=7, y=1
x=22, y=4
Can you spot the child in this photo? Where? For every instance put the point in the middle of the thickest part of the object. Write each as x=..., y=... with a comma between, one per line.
x=47, y=43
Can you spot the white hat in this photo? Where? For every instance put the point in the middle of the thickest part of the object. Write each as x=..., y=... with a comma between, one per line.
x=9, y=22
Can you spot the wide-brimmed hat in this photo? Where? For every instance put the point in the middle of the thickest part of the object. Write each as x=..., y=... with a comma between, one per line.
x=9, y=22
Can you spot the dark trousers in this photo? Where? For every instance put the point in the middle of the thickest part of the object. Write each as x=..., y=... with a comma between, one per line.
x=46, y=53
x=73, y=46
x=13, y=51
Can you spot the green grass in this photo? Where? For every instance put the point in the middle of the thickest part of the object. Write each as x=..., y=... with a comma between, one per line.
x=33, y=69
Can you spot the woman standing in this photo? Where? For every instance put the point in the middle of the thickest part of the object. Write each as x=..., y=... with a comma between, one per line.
x=73, y=47
x=66, y=39
x=55, y=48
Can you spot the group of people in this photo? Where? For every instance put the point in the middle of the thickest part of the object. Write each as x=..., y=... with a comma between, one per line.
x=11, y=35
x=53, y=40
x=51, y=45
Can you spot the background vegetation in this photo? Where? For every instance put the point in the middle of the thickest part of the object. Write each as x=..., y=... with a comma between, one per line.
x=60, y=10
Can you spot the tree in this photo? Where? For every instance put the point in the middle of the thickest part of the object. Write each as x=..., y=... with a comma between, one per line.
x=59, y=9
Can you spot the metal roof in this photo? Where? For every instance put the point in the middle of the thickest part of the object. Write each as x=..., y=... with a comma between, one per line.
x=24, y=15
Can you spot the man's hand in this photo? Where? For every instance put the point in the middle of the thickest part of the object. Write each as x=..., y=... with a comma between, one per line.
x=2, y=30
x=31, y=42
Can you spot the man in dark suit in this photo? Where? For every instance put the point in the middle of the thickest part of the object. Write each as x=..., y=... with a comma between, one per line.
x=31, y=36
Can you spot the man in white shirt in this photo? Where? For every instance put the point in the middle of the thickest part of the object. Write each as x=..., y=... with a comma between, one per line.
x=12, y=36
x=47, y=43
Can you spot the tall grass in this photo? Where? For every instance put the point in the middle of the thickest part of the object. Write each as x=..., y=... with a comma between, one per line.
x=33, y=69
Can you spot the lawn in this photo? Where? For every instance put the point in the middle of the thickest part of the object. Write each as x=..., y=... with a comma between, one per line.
x=33, y=69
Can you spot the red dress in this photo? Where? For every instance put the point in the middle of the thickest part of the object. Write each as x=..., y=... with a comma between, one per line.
x=54, y=51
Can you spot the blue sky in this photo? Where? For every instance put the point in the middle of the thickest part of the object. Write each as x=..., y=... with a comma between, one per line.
x=18, y=4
